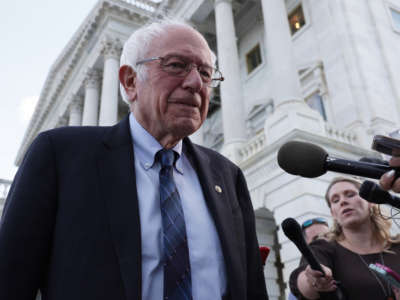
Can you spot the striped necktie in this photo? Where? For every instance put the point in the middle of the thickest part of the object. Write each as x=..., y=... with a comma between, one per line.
x=177, y=278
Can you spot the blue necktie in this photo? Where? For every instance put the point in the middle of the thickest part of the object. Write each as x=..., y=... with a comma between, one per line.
x=177, y=279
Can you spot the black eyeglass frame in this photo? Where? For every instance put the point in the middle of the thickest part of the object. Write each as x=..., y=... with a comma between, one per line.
x=214, y=82
x=313, y=221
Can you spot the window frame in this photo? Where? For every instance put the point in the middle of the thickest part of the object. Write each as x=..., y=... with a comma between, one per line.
x=307, y=19
x=324, y=113
x=317, y=85
x=257, y=44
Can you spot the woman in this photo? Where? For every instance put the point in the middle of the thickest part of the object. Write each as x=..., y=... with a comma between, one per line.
x=360, y=236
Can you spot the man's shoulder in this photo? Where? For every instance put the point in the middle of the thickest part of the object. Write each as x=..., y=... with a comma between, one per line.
x=75, y=133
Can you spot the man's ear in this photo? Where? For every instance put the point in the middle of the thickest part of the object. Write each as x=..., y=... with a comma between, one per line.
x=127, y=77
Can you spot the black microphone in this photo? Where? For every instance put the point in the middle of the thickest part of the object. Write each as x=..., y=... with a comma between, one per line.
x=309, y=160
x=293, y=231
x=372, y=192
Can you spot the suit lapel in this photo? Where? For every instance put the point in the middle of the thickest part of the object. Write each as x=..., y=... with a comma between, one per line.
x=216, y=197
x=118, y=187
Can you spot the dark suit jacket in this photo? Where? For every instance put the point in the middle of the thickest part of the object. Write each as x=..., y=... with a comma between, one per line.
x=71, y=225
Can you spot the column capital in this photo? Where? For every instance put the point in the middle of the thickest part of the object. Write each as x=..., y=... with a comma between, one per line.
x=92, y=78
x=76, y=103
x=111, y=47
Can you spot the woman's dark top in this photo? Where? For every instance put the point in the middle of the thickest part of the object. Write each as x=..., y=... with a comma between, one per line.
x=347, y=267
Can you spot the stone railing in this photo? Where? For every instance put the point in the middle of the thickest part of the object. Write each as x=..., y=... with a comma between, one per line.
x=341, y=135
x=258, y=142
x=253, y=146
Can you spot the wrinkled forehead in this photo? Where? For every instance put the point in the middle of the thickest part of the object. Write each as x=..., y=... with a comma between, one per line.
x=183, y=41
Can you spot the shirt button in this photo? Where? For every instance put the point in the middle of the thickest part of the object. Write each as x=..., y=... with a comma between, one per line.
x=147, y=165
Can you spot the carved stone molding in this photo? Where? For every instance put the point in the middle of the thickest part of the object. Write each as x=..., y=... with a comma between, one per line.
x=76, y=103
x=111, y=47
x=62, y=121
x=92, y=78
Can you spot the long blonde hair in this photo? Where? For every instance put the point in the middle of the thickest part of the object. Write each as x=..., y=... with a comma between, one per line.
x=381, y=226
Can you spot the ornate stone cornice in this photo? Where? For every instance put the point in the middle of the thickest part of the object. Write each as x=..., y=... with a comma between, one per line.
x=111, y=47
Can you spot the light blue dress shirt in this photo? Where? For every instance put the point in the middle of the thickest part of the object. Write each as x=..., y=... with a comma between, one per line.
x=206, y=259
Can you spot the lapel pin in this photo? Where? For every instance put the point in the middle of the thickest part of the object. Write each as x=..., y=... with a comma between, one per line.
x=218, y=189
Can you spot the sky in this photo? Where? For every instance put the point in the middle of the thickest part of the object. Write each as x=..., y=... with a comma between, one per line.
x=33, y=34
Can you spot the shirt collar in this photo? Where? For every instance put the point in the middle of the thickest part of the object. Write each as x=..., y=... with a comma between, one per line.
x=146, y=146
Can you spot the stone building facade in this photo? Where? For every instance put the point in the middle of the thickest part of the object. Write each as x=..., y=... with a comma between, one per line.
x=322, y=71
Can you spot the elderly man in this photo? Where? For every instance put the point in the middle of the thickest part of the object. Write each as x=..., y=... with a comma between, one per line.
x=135, y=211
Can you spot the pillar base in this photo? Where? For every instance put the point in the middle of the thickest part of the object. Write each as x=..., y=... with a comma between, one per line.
x=231, y=150
x=292, y=115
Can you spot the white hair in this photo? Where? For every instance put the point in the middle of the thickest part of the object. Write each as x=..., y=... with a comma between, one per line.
x=137, y=46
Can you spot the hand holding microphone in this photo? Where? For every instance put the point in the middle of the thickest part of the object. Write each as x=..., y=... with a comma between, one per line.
x=316, y=277
x=320, y=282
x=372, y=192
x=389, y=181
x=309, y=160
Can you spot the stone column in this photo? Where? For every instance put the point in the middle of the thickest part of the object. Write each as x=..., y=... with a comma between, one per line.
x=291, y=110
x=280, y=56
x=292, y=116
x=109, y=93
x=233, y=112
x=75, y=111
x=91, y=105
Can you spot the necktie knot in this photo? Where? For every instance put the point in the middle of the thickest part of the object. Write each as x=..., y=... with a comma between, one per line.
x=166, y=157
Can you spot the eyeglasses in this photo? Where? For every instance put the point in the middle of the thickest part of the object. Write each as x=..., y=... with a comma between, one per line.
x=180, y=67
x=310, y=222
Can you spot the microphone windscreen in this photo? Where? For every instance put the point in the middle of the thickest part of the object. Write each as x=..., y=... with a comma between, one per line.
x=292, y=230
x=371, y=192
x=366, y=189
x=304, y=159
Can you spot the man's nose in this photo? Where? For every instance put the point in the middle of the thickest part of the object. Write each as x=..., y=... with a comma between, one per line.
x=193, y=80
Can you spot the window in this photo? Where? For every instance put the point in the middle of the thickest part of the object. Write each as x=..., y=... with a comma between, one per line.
x=253, y=58
x=296, y=19
x=395, y=18
x=316, y=103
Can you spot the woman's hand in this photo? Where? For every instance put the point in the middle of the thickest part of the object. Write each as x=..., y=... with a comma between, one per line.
x=318, y=281
x=311, y=282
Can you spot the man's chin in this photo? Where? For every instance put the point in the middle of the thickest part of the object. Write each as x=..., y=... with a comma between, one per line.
x=185, y=128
